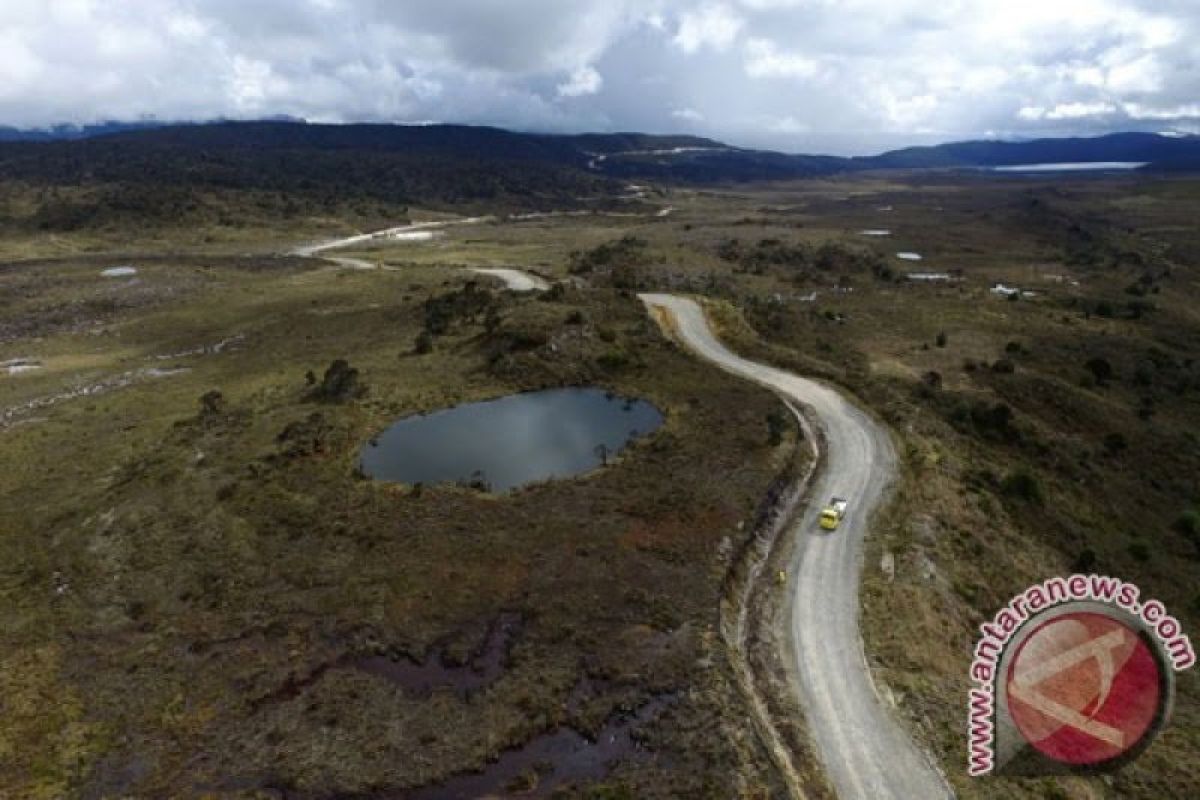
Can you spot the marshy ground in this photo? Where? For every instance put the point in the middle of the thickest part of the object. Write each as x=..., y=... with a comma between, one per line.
x=203, y=596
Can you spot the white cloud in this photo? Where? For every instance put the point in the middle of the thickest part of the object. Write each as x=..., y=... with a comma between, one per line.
x=909, y=112
x=765, y=60
x=874, y=68
x=788, y=125
x=1066, y=111
x=1139, y=111
x=583, y=81
x=1142, y=74
x=714, y=26
x=1080, y=110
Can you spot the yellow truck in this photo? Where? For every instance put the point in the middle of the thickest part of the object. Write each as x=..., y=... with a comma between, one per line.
x=832, y=514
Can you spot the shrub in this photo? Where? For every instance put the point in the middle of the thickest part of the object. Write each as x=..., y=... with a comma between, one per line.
x=1003, y=366
x=626, y=251
x=614, y=360
x=1022, y=485
x=554, y=294
x=1101, y=370
x=305, y=437
x=1115, y=443
x=491, y=319
x=776, y=425
x=1136, y=309
x=444, y=310
x=424, y=343
x=1188, y=523
x=995, y=419
x=1085, y=561
x=339, y=384
x=212, y=403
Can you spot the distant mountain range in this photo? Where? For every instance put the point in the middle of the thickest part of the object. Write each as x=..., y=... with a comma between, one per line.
x=457, y=163
x=59, y=132
x=1153, y=149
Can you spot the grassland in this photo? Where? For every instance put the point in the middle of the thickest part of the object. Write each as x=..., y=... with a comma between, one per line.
x=194, y=591
x=200, y=595
x=1084, y=390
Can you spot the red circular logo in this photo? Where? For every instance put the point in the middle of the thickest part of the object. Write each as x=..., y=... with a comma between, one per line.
x=1084, y=688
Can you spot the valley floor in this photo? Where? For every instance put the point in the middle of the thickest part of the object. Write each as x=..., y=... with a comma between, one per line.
x=217, y=602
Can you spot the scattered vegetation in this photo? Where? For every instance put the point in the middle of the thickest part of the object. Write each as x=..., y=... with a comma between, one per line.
x=1052, y=434
x=339, y=384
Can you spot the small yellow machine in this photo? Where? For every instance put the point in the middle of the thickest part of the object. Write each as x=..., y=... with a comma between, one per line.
x=832, y=514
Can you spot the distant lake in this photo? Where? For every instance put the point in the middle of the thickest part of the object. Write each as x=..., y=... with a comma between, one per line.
x=511, y=441
x=1081, y=166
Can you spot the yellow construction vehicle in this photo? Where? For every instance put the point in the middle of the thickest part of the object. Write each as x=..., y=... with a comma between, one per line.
x=832, y=514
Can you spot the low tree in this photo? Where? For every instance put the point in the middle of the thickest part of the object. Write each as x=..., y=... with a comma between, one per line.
x=1139, y=551
x=1085, y=561
x=776, y=425
x=1188, y=524
x=1101, y=370
x=1022, y=484
x=492, y=319
x=212, y=403
x=339, y=384
x=424, y=343
x=1115, y=443
x=1004, y=366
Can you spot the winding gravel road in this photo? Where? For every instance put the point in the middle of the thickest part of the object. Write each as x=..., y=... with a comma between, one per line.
x=515, y=280
x=398, y=232
x=863, y=749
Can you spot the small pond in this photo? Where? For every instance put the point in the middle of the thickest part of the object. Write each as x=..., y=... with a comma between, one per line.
x=504, y=443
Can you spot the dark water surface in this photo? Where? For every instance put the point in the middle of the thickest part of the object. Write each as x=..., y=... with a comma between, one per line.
x=511, y=441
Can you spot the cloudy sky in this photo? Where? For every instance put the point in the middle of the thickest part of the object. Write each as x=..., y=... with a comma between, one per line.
x=797, y=75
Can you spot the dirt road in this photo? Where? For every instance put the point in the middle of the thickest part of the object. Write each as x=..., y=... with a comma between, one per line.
x=863, y=749
x=400, y=233
x=514, y=279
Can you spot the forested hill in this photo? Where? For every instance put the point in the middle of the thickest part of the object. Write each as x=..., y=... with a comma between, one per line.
x=426, y=164
x=437, y=165
x=457, y=164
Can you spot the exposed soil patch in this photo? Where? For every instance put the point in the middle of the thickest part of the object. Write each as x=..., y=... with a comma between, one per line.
x=436, y=671
x=9, y=416
x=18, y=365
x=548, y=762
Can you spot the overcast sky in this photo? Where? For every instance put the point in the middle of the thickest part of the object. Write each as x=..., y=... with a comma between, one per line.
x=796, y=75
